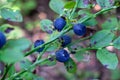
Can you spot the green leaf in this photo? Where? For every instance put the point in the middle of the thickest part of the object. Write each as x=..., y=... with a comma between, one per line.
x=105, y=3
x=3, y=3
x=28, y=76
x=108, y=59
x=110, y=24
x=101, y=39
x=53, y=46
x=91, y=22
x=16, y=33
x=20, y=44
x=25, y=64
x=83, y=3
x=116, y=43
x=71, y=66
x=57, y=6
x=84, y=13
x=69, y=5
x=13, y=50
x=53, y=35
x=46, y=25
x=31, y=76
x=11, y=55
x=79, y=56
x=11, y=15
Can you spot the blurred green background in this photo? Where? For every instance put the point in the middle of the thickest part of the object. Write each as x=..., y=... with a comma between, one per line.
x=89, y=68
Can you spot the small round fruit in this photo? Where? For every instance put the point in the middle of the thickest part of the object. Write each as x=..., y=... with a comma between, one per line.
x=38, y=43
x=65, y=39
x=2, y=39
x=62, y=55
x=59, y=23
x=79, y=29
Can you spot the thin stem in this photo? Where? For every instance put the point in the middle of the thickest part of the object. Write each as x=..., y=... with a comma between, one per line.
x=75, y=7
x=40, y=55
x=6, y=71
x=104, y=10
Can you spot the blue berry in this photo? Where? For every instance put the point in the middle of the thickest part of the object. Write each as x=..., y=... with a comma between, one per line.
x=2, y=39
x=62, y=55
x=65, y=39
x=59, y=23
x=79, y=29
x=38, y=43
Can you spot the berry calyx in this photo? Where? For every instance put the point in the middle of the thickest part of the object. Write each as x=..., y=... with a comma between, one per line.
x=65, y=40
x=38, y=43
x=59, y=23
x=2, y=39
x=79, y=29
x=62, y=55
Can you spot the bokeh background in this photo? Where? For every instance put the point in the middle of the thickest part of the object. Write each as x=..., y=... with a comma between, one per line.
x=89, y=68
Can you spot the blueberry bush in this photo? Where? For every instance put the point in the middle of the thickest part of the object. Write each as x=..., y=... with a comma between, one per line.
x=75, y=18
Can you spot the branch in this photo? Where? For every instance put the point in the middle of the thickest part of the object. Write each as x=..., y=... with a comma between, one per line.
x=69, y=28
x=57, y=36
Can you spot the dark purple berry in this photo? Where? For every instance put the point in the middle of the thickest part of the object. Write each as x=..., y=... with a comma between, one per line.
x=2, y=39
x=62, y=55
x=59, y=23
x=79, y=29
x=65, y=39
x=38, y=43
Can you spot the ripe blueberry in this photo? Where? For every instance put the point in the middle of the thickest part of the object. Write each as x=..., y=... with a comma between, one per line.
x=38, y=43
x=62, y=55
x=59, y=23
x=79, y=29
x=2, y=39
x=65, y=39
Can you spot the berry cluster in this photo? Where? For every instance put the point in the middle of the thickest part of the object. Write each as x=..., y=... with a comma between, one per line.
x=79, y=29
x=2, y=40
x=62, y=55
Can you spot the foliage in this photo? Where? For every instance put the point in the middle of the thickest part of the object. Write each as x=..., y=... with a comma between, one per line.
x=73, y=12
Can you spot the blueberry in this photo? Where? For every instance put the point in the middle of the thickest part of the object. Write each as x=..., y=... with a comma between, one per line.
x=79, y=29
x=59, y=23
x=2, y=39
x=62, y=55
x=65, y=39
x=38, y=43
